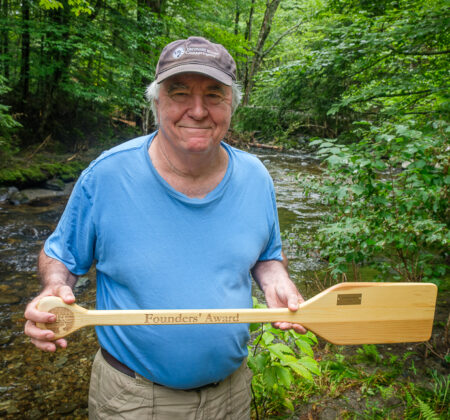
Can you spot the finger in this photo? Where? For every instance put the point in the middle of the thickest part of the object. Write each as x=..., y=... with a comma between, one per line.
x=282, y=325
x=287, y=326
x=61, y=342
x=33, y=331
x=293, y=302
x=33, y=314
x=299, y=328
x=66, y=294
x=44, y=345
x=43, y=340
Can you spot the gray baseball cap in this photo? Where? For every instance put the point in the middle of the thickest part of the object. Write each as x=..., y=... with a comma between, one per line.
x=196, y=55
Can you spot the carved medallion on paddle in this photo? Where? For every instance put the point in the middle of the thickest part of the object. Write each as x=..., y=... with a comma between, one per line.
x=64, y=321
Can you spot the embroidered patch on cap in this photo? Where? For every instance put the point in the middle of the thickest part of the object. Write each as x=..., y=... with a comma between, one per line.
x=178, y=52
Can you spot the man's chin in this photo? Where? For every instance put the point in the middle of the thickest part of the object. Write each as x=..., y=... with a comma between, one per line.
x=199, y=145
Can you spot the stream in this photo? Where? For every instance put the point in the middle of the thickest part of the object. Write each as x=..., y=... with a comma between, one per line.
x=38, y=385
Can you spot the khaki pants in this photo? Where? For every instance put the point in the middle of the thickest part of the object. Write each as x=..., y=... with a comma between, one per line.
x=114, y=395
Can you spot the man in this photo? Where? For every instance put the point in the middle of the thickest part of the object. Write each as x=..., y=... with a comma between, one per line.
x=176, y=219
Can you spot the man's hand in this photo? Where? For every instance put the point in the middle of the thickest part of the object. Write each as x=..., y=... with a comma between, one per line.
x=279, y=290
x=57, y=281
x=43, y=339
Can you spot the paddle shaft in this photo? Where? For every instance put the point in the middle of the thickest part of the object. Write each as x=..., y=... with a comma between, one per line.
x=183, y=317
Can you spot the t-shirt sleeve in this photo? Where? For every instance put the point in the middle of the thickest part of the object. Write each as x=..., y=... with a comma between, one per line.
x=73, y=241
x=272, y=250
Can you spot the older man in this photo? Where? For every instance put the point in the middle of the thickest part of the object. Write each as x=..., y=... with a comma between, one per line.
x=177, y=219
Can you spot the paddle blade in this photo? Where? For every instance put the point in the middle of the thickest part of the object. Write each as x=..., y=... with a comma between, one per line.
x=372, y=313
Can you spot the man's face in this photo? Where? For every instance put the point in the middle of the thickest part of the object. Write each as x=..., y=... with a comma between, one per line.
x=194, y=112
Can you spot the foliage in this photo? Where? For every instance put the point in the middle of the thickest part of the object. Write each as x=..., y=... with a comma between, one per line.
x=72, y=65
x=7, y=124
x=247, y=119
x=362, y=60
x=389, y=193
x=428, y=403
x=373, y=79
x=281, y=361
x=386, y=382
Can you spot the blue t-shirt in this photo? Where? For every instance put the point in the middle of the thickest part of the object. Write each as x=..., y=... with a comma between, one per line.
x=156, y=248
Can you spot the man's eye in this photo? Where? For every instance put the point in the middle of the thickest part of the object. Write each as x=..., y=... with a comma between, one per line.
x=214, y=98
x=179, y=96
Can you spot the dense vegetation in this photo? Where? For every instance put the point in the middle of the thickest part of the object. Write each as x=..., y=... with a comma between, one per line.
x=72, y=69
x=364, y=83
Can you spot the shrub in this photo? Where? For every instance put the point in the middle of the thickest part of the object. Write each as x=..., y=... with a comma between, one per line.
x=388, y=196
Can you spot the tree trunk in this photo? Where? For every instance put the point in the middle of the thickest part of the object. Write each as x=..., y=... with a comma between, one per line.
x=236, y=18
x=248, y=29
x=4, y=40
x=24, y=80
x=271, y=8
x=62, y=58
x=155, y=6
x=248, y=38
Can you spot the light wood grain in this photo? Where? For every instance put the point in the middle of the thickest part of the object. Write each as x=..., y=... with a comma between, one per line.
x=347, y=313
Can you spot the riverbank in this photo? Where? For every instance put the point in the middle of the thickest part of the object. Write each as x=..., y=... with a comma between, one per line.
x=52, y=162
x=22, y=173
x=47, y=171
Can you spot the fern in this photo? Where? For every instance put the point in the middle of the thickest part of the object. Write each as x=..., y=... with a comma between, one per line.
x=440, y=390
x=426, y=411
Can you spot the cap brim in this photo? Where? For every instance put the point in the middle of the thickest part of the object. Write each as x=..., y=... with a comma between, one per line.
x=209, y=71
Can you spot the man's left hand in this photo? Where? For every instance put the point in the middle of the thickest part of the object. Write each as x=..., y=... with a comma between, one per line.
x=279, y=290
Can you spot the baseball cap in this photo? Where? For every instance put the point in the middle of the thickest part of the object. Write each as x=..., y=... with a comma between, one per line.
x=196, y=55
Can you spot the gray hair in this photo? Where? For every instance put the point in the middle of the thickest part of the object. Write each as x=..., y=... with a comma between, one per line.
x=152, y=95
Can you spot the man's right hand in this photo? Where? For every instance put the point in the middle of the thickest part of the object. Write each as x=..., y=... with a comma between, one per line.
x=58, y=281
x=45, y=339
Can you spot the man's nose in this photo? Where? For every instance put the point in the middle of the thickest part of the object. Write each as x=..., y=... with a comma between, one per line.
x=197, y=108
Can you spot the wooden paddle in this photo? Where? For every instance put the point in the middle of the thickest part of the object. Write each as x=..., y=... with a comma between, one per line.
x=347, y=313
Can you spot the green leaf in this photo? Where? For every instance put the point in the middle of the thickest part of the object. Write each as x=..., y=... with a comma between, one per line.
x=50, y=4
x=304, y=347
x=260, y=361
x=284, y=376
x=267, y=338
x=280, y=350
x=299, y=369
x=358, y=189
x=336, y=160
x=288, y=403
x=311, y=336
x=311, y=364
x=270, y=376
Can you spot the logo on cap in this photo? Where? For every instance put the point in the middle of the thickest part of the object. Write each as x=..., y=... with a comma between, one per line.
x=178, y=52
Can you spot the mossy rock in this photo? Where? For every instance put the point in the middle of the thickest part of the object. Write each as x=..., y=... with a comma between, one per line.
x=36, y=174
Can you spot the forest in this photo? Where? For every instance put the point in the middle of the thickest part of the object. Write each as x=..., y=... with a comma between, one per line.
x=362, y=84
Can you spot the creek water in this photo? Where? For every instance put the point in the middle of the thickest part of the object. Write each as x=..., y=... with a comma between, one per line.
x=37, y=385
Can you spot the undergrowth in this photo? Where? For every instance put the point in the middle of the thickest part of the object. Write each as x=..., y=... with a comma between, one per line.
x=299, y=377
